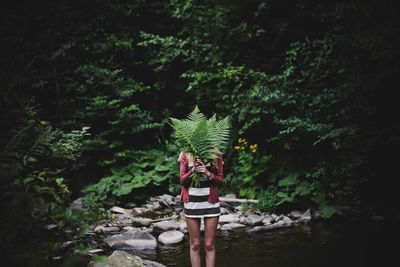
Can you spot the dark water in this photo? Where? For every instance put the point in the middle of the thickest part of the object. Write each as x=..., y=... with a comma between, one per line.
x=319, y=244
x=355, y=244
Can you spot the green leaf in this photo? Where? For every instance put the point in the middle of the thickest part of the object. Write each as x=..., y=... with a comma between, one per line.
x=243, y=192
x=83, y=229
x=282, y=194
x=29, y=179
x=303, y=189
x=289, y=180
x=161, y=168
x=327, y=211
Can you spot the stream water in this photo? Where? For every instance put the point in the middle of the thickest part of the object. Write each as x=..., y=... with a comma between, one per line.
x=356, y=244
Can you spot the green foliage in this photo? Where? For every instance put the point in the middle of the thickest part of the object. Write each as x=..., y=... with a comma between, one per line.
x=149, y=168
x=99, y=258
x=35, y=163
x=317, y=101
x=249, y=167
x=201, y=137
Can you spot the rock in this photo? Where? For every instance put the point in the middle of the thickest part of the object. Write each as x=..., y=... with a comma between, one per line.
x=231, y=226
x=231, y=195
x=306, y=217
x=136, y=239
x=229, y=218
x=166, y=225
x=155, y=206
x=170, y=237
x=316, y=214
x=268, y=219
x=167, y=200
x=110, y=229
x=122, y=258
x=99, y=229
x=67, y=244
x=139, y=211
x=295, y=214
x=239, y=208
x=164, y=203
x=227, y=206
x=130, y=228
x=167, y=197
x=285, y=219
x=130, y=205
x=91, y=252
x=183, y=226
x=280, y=224
x=121, y=210
x=140, y=221
x=77, y=203
x=51, y=227
x=253, y=219
x=224, y=210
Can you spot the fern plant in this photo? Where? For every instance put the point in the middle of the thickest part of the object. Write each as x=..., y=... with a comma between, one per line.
x=203, y=138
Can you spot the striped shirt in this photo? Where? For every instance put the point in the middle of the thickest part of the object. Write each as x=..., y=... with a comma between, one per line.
x=198, y=205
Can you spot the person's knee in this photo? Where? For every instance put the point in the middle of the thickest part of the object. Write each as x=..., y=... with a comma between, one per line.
x=209, y=245
x=195, y=245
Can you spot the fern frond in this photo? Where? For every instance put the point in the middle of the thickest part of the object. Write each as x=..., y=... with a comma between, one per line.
x=201, y=137
x=196, y=115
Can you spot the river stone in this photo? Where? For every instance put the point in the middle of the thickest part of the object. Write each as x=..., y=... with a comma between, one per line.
x=279, y=224
x=226, y=206
x=122, y=258
x=135, y=239
x=229, y=218
x=110, y=229
x=155, y=206
x=121, y=210
x=99, y=229
x=268, y=219
x=253, y=219
x=139, y=211
x=77, y=203
x=295, y=214
x=130, y=228
x=231, y=196
x=140, y=221
x=224, y=210
x=239, y=208
x=183, y=226
x=170, y=237
x=231, y=226
x=306, y=217
x=166, y=225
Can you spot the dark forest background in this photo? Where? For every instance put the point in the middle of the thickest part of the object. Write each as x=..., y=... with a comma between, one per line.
x=88, y=86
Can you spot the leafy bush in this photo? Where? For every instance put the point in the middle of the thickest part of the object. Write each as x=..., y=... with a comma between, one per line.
x=148, y=168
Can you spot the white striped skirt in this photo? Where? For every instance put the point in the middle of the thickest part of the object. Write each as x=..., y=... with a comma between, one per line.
x=198, y=205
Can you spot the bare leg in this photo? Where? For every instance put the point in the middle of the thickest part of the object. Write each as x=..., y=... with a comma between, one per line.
x=193, y=225
x=210, y=227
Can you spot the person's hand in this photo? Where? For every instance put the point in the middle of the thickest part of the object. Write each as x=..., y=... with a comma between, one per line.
x=201, y=168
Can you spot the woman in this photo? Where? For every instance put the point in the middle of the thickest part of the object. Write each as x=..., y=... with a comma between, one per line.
x=201, y=202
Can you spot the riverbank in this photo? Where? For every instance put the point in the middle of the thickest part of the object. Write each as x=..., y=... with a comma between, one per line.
x=298, y=238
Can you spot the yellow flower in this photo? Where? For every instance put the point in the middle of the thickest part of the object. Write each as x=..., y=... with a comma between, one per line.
x=237, y=147
x=253, y=150
x=251, y=146
x=241, y=140
x=242, y=147
x=255, y=145
x=245, y=142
